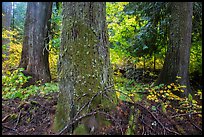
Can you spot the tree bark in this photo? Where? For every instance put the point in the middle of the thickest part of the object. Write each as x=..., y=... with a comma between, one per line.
x=34, y=56
x=84, y=65
x=24, y=54
x=6, y=23
x=178, y=52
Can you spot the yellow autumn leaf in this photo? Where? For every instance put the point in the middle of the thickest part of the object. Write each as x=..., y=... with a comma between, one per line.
x=169, y=86
x=182, y=90
x=118, y=94
x=172, y=84
x=131, y=95
x=178, y=77
x=183, y=86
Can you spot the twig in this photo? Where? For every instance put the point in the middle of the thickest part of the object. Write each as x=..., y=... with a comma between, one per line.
x=90, y=101
x=171, y=120
x=116, y=121
x=10, y=129
x=143, y=131
x=151, y=114
x=75, y=120
x=172, y=131
x=156, y=119
x=82, y=96
x=135, y=103
x=87, y=104
x=178, y=115
x=147, y=125
x=195, y=125
x=5, y=118
x=45, y=48
x=19, y=115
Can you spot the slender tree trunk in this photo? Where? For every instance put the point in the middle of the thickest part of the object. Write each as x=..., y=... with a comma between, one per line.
x=178, y=52
x=35, y=45
x=6, y=23
x=13, y=20
x=84, y=65
x=24, y=54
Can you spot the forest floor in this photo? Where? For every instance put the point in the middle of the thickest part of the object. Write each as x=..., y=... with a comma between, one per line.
x=35, y=116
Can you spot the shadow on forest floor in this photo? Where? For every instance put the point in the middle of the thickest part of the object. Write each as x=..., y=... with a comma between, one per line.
x=35, y=116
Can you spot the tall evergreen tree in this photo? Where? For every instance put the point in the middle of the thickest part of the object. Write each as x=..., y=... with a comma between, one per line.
x=34, y=56
x=6, y=23
x=84, y=66
x=176, y=65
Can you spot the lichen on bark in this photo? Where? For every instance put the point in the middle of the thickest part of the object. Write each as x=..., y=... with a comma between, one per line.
x=84, y=67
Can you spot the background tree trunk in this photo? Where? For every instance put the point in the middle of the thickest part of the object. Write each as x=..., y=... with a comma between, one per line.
x=84, y=63
x=178, y=52
x=24, y=54
x=35, y=45
x=6, y=23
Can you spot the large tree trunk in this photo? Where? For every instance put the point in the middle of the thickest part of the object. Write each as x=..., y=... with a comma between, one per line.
x=6, y=23
x=84, y=64
x=34, y=56
x=178, y=52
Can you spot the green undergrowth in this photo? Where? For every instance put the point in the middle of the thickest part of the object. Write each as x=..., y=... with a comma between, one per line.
x=24, y=93
x=129, y=90
x=162, y=95
x=12, y=83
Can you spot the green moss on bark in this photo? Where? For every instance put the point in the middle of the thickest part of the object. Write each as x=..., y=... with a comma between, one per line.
x=83, y=64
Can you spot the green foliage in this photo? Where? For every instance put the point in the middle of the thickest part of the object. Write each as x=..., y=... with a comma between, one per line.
x=199, y=94
x=126, y=90
x=18, y=19
x=81, y=130
x=189, y=104
x=54, y=43
x=12, y=92
x=140, y=30
x=196, y=54
x=12, y=81
x=134, y=30
x=135, y=34
x=121, y=27
x=15, y=78
x=56, y=23
x=131, y=126
x=196, y=58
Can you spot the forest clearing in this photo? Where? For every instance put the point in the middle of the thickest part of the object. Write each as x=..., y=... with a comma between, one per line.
x=102, y=68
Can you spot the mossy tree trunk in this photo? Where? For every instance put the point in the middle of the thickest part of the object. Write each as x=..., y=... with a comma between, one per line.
x=34, y=56
x=178, y=52
x=84, y=63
